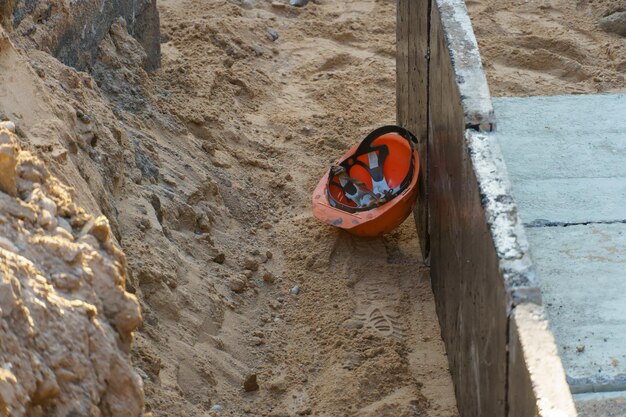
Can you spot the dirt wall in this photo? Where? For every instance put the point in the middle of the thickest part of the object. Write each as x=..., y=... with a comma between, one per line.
x=65, y=317
x=69, y=321
x=72, y=31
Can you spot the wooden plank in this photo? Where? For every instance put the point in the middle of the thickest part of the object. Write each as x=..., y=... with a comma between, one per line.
x=402, y=62
x=466, y=278
x=412, y=94
x=418, y=120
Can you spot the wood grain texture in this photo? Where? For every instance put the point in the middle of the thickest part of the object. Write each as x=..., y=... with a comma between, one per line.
x=412, y=95
x=402, y=61
x=478, y=277
x=468, y=287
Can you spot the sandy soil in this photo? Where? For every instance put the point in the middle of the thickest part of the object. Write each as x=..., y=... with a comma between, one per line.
x=361, y=337
x=238, y=128
x=542, y=47
x=204, y=169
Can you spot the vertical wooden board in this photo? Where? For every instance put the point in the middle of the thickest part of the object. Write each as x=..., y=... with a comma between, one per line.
x=412, y=93
x=402, y=62
x=418, y=120
x=414, y=30
x=438, y=184
x=473, y=297
x=418, y=68
x=468, y=286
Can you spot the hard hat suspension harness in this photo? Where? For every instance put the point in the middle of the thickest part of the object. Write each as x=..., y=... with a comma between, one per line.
x=357, y=191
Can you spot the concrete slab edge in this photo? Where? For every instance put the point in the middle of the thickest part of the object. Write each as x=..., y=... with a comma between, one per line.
x=597, y=384
x=501, y=214
x=539, y=356
x=467, y=64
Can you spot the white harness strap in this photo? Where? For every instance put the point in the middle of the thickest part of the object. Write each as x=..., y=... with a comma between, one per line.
x=361, y=198
x=380, y=186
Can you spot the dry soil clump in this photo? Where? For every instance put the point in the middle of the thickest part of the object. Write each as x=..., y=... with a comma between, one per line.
x=65, y=319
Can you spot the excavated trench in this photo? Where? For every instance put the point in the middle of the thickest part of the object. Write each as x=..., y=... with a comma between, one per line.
x=204, y=168
x=353, y=340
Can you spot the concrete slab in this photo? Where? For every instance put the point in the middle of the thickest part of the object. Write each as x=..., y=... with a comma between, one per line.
x=566, y=158
x=579, y=136
x=583, y=280
x=566, y=201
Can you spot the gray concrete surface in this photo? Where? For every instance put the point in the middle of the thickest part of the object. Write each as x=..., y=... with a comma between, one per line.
x=583, y=279
x=566, y=158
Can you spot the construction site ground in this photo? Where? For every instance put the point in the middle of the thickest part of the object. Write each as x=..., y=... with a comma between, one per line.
x=205, y=168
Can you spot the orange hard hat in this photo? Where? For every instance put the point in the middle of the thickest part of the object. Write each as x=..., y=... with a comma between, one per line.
x=373, y=187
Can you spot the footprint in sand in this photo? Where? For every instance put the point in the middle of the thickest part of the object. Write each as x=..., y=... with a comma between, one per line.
x=382, y=320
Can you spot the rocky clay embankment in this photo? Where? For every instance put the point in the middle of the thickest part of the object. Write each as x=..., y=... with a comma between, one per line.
x=65, y=320
x=72, y=31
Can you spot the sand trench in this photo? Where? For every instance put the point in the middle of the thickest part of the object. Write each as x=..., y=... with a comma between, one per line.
x=204, y=169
